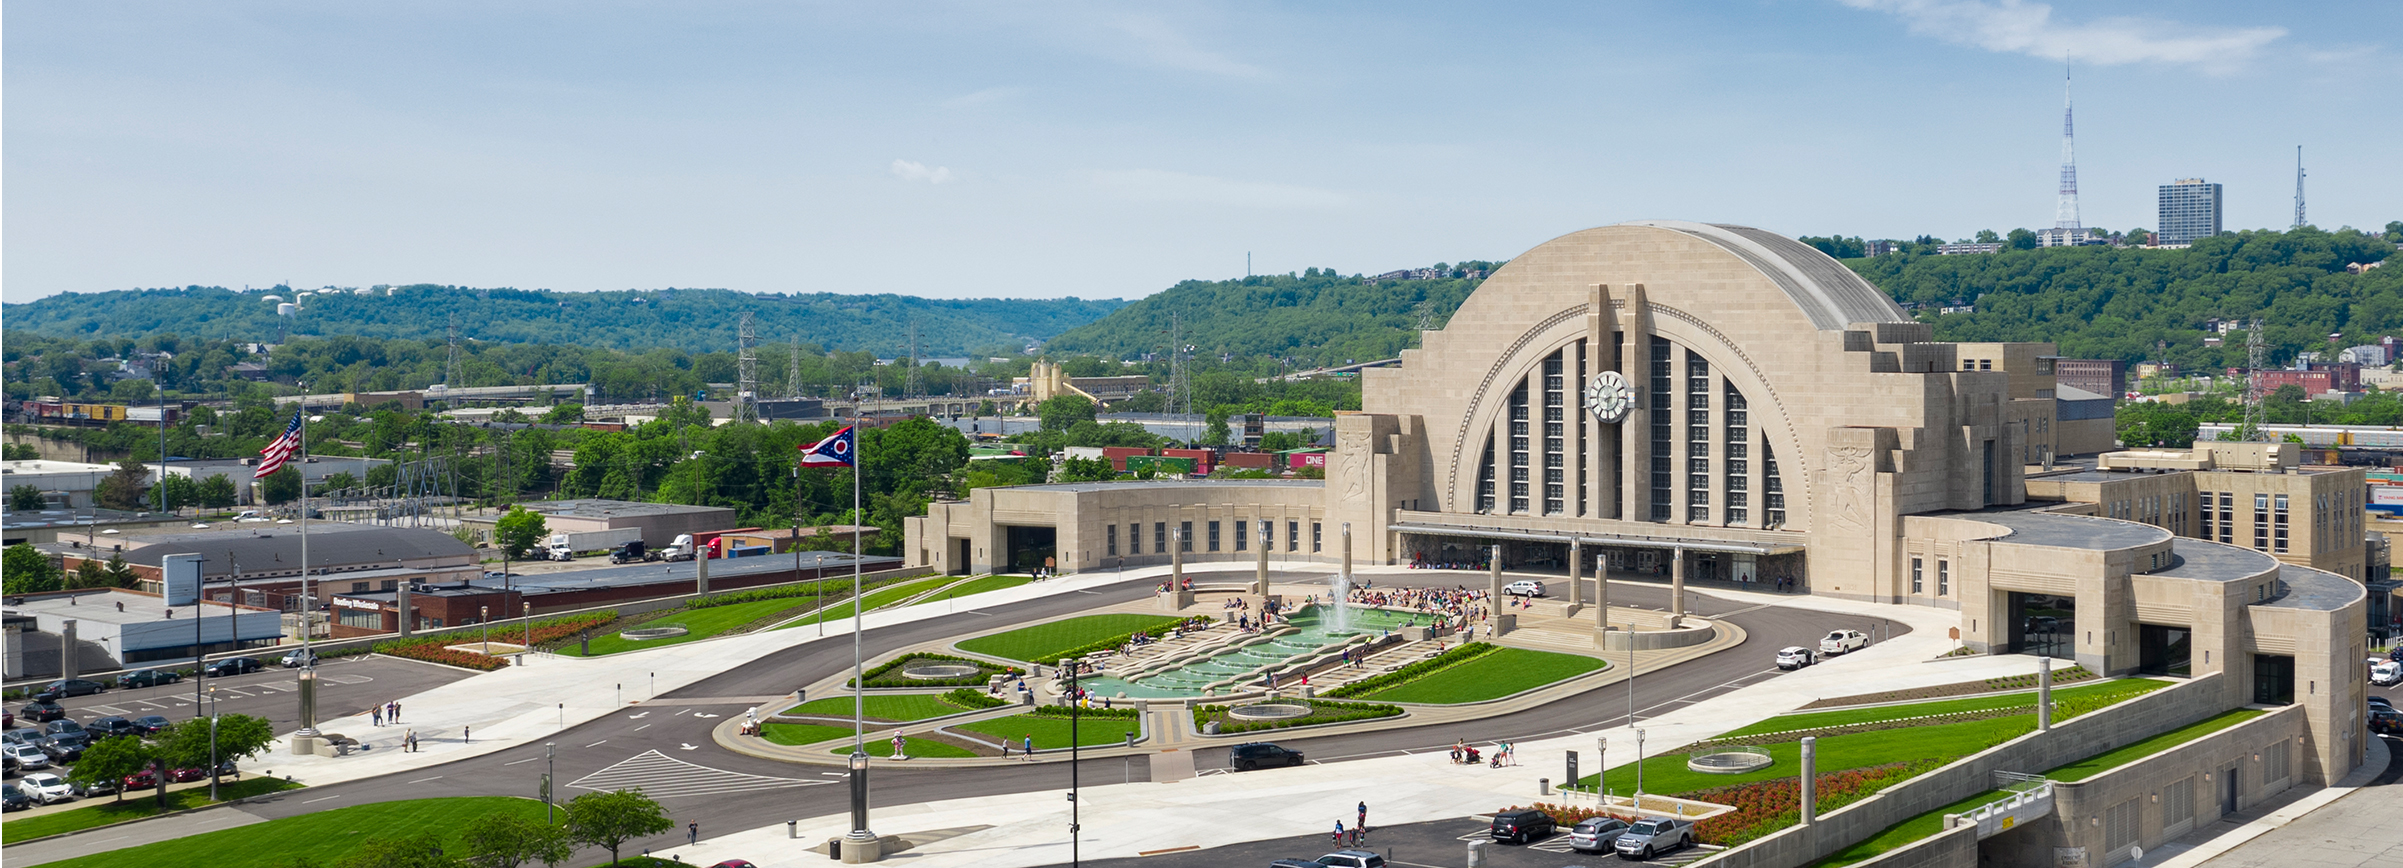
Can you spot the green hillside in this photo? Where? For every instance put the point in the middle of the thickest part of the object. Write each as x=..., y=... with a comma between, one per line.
x=693, y=320
x=1316, y=317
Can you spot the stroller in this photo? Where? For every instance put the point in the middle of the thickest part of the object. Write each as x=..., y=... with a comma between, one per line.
x=1466, y=756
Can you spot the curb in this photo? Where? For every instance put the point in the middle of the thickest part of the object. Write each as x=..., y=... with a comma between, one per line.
x=121, y=825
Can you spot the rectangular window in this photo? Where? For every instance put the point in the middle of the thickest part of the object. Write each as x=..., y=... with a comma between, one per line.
x=2278, y=523
x=1159, y=537
x=1317, y=538
x=1243, y=535
x=1213, y=536
x=1661, y=409
x=1268, y=536
x=2227, y=517
x=2261, y=522
x=1918, y=576
x=1943, y=578
x=1293, y=535
x=1112, y=533
x=2206, y=505
x=1184, y=536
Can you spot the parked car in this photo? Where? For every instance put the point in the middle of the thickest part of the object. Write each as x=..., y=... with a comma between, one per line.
x=1843, y=641
x=148, y=678
x=187, y=775
x=1795, y=657
x=66, y=747
x=71, y=687
x=150, y=724
x=232, y=666
x=26, y=756
x=2377, y=701
x=112, y=725
x=42, y=711
x=101, y=787
x=1595, y=834
x=141, y=780
x=61, y=725
x=1522, y=826
x=2387, y=673
x=45, y=788
x=1245, y=757
x=1524, y=588
x=299, y=657
x=2385, y=720
x=1653, y=836
x=13, y=800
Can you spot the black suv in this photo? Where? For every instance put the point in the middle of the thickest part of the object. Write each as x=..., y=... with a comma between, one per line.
x=108, y=726
x=42, y=711
x=232, y=666
x=1245, y=757
x=1523, y=825
x=147, y=678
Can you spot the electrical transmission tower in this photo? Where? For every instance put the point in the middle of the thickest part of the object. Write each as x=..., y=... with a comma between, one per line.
x=2255, y=357
x=1180, y=381
x=2298, y=187
x=792, y=376
x=450, y=370
x=746, y=372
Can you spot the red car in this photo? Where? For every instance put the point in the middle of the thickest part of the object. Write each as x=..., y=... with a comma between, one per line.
x=141, y=780
x=185, y=776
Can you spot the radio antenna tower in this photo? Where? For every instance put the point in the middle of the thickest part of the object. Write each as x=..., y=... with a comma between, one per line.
x=1180, y=382
x=450, y=370
x=2065, y=212
x=792, y=377
x=2255, y=357
x=2298, y=187
x=746, y=371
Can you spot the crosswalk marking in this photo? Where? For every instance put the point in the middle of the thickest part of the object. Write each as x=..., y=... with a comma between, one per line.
x=659, y=776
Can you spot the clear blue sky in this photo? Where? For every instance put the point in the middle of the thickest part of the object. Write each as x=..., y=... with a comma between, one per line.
x=1110, y=149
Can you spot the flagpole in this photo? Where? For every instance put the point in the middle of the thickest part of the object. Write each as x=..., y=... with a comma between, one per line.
x=308, y=666
x=860, y=840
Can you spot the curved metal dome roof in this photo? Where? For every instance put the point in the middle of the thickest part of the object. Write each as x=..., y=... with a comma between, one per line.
x=1830, y=294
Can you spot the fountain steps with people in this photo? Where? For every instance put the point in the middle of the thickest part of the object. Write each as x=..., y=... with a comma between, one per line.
x=1221, y=659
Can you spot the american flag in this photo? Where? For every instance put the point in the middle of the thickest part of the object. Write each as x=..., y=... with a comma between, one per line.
x=273, y=457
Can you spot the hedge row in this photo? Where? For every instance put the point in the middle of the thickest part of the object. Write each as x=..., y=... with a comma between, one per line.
x=1061, y=711
x=1414, y=671
x=973, y=699
x=1322, y=711
x=832, y=588
x=430, y=647
x=888, y=673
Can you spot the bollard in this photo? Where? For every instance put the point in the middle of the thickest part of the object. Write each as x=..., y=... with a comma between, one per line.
x=1476, y=853
x=792, y=828
x=2044, y=694
x=1810, y=780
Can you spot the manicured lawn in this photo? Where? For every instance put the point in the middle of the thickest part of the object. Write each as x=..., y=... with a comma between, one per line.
x=1052, y=732
x=2116, y=690
x=875, y=600
x=915, y=746
x=1492, y=675
x=106, y=810
x=801, y=733
x=979, y=586
x=699, y=624
x=917, y=706
x=318, y=839
x=1905, y=832
x=2103, y=762
x=1045, y=643
x=1666, y=774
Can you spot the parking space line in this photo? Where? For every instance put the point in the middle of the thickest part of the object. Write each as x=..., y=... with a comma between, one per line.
x=423, y=780
x=526, y=760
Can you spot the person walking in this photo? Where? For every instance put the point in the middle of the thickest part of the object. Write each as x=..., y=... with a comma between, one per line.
x=1362, y=825
x=1030, y=747
x=1338, y=833
x=375, y=716
x=412, y=741
x=897, y=751
x=467, y=735
x=692, y=832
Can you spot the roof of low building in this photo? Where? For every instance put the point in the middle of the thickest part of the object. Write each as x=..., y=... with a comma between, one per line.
x=276, y=548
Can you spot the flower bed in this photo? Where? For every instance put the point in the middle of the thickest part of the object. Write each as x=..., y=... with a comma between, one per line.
x=1414, y=671
x=430, y=647
x=1763, y=807
x=1321, y=711
x=1062, y=712
x=888, y=673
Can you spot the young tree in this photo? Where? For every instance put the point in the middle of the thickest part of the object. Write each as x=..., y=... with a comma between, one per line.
x=1217, y=434
x=239, y=737
x=1063, y=412
x=123, y=488
x=564, y=414
x=519, y=531
x=118, y=573
x=609, y=820
x=501, y=840
x=414, y=851
x=1085, y=470
x=218, y=492
x=25, y=570
x=112, y=759
x=27, y=498
x=338, y=481
x=282, y=486
x=89, y=574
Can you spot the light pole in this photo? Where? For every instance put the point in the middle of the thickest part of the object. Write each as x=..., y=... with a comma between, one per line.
x=1601, y=770
x=1638, y=802
x=1075, y=702
x=550, y=766
x=214, y=766
x=521, y=655
x=484, y=616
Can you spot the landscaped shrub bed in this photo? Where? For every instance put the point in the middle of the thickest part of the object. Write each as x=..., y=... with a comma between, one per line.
x=830, y=588
x=888, y=673
x=1321, y=711
x=1062, y=712
x=1881, y=725
x=1414, y=671
x=1763, y=807
x=430, y=648
x=973, y=699
x=2020, y=682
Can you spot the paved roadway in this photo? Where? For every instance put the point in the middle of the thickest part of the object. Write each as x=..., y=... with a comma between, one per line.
x=345, y=686
x=664, y=746
x=1436, y=844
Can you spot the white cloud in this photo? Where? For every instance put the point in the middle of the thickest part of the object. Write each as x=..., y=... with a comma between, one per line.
x=908, y=170
x=2029, y=28
x=1156, y=185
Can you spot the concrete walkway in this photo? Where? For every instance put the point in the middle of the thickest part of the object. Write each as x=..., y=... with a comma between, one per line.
x=1124, y=820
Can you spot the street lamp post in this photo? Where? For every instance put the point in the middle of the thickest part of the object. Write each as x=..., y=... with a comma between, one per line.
x=529, y=609
x=214, y=766
x=1638, y=802
x=484, y=616
x=550, y=765
x=1075, y=702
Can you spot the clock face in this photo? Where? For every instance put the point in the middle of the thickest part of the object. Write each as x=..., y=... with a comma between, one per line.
x=1609, y=397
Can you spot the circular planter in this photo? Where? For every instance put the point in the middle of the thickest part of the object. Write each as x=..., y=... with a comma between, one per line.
x=1269, y=711
x=1733, y=761
x=649, y=633
x=939, y=671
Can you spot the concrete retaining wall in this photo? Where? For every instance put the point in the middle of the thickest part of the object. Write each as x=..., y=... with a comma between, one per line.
x=1654, y=640
x=2079, y=817
x=1950, y=848
x=2095, y=732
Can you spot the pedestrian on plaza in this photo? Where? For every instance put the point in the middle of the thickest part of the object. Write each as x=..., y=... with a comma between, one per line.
x=1363, y=824
x=1030, y=747
x=692, y=832
x=467, y=735
x=897, y=752
x=375, y=716
x=412, y=741
x=394, y=714
x=1339, y=833
x=1005, y=748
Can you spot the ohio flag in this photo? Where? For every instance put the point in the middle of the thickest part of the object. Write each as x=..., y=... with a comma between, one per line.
x=841, y=448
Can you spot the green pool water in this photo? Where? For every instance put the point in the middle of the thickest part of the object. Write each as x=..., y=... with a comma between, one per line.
x=1313, y=633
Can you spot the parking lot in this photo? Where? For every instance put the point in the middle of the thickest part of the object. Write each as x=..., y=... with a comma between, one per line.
x=346, y=686
x=1438, y=844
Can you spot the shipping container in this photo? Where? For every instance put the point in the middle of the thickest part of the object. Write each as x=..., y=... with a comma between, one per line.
x=1159, y=464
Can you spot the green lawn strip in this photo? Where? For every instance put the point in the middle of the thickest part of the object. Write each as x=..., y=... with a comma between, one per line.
x=1668, y=775
x=318, y=839
x=917, y=747
x=108, y=810
x=875, y=599
x=2120, y=689
x=979, y=586
x=2108, y=760
x=1044, y=643
x=698, y=624
x=1052, y=732
x=1489, y=676
x=915, y=706
x=790, y=734
x=1905, y=832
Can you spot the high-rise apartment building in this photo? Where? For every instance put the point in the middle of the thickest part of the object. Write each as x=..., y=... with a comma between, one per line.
x=2190, y=209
